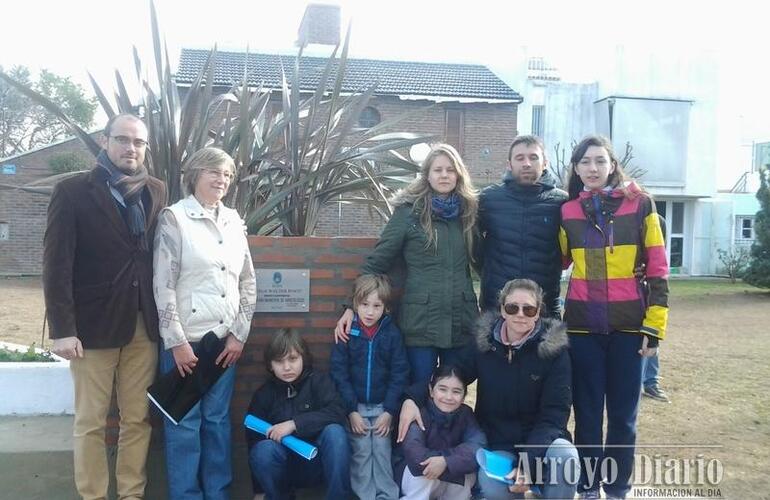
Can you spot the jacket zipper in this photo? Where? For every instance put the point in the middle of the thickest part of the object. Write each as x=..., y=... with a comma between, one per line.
x=369, y=370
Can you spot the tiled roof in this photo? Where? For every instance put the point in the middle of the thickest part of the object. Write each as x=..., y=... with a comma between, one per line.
x=394, y=77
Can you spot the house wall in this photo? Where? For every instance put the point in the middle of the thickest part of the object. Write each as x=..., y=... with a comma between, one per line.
x=637, y=72
x=26, y=213
x=573, y=110
x=713, y=221
x=487, y=132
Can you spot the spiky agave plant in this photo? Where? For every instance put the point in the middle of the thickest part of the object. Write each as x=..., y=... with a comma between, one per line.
x=289, y=166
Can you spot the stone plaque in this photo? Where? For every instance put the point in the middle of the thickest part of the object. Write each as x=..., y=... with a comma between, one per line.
x=283, y=290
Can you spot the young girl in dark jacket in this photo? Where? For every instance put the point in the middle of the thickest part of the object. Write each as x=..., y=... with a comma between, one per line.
x=440, y=460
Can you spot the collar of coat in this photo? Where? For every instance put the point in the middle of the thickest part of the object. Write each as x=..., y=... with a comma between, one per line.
x=550, y=337
x=547, y=181
x=292, y=388
x=402, y=197
x=630, y=190
x=194, y=210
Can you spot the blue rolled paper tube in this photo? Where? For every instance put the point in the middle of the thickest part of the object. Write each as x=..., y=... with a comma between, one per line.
x=495, y=465
x=298, y=446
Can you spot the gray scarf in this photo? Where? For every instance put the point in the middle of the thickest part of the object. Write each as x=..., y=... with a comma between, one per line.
x=130, y=188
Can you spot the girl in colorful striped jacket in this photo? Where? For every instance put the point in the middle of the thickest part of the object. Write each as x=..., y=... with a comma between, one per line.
x=609, y=227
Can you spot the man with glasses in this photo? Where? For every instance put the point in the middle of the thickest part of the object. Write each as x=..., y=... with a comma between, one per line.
x=519, y=226
x=97, y=278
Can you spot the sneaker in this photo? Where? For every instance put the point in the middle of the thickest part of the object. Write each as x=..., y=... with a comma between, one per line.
x=655, y=392
x=590, y=495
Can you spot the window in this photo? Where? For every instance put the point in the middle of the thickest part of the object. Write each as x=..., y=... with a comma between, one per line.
x=454, y=131
x=672, y=222
x=538, y=120
x=369, y=117
x=4, y=233
x=676, y=252
x=744, y=228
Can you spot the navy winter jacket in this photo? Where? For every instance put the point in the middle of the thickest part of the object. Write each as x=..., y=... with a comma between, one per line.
x=522, y=400
x=456, y=436
x=311, y=401
x=519, y=238
x=372, y=370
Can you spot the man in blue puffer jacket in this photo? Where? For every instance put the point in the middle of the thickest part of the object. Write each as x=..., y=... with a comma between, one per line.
x=519, y=226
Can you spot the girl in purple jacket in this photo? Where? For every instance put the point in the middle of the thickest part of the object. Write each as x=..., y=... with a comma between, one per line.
x=440, y=460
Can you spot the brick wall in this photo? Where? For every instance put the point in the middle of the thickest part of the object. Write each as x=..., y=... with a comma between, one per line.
x=488, y=131
x=26, y=213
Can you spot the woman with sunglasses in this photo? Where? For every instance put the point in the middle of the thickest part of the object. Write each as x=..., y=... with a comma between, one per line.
x=523, y=394
x=609, y=227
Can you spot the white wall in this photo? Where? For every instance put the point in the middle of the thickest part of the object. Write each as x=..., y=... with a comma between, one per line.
x=571, y=112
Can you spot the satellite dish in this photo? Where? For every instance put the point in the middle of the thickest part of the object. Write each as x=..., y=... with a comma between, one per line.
x=419, y=152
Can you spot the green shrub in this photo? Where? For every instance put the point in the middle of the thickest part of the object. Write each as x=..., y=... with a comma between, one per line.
x=9, y=355
x=68, y=162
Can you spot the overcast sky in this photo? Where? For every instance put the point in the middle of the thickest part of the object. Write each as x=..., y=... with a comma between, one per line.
x=97, y=35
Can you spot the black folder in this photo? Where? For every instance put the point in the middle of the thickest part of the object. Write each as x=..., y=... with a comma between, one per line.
x=175, y=395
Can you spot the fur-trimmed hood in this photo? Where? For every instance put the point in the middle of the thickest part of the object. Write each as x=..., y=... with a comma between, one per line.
x=403, y=197
x=551, y=335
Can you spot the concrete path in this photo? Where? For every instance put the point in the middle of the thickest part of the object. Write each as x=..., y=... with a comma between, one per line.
x=36, y=463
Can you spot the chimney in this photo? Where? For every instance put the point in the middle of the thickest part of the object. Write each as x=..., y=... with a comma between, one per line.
x=320, y=25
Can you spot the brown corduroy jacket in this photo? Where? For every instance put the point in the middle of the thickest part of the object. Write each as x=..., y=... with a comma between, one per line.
x=95, y=277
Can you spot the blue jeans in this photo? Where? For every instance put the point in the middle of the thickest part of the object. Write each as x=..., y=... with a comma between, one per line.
x=279, y=470
x=606, y=367
x=650, y=369
x=198, y=449
x=423, y=360
x=561, y=469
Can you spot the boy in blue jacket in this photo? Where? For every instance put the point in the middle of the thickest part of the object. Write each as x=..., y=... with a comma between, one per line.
x=371, y=371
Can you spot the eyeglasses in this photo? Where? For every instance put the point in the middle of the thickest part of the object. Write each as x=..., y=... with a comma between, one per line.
x=125, y=141
x=213, y=172
x=528, y=310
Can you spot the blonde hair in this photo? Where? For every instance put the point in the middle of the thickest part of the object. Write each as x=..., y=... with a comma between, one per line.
x=201, y=160
x=421, y=192
x=368, y=283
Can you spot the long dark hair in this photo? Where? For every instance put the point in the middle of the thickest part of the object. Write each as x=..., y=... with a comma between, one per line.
x=575, y=183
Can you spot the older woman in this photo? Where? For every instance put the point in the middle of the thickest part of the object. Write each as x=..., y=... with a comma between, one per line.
x=204, y=281
x=432, y=231
x=523, y=395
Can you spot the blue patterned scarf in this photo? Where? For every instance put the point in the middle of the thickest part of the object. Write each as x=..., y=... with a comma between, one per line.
x=447, y=208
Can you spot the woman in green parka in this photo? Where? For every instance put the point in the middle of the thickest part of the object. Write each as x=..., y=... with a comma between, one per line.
x=432, y=229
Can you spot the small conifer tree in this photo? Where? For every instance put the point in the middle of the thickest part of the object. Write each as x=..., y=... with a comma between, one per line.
x=758, y=272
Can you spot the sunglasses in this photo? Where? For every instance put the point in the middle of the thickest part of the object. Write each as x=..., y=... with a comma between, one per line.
x=513, y=310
